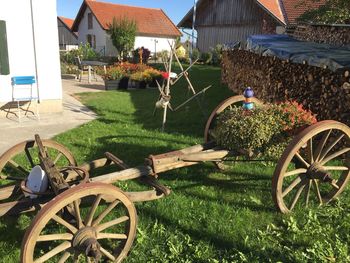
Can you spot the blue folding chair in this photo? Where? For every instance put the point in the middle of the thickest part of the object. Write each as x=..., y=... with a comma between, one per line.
x=22, y=92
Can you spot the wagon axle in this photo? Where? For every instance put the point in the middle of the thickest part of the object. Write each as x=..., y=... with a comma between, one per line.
x=316, y=171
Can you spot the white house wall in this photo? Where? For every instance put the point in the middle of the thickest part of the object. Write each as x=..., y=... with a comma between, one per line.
x=17, y=14
x=146, y=42
x=149, y=43
x=96, y=30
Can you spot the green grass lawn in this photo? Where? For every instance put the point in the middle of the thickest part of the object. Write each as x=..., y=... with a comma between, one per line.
x=210, y=216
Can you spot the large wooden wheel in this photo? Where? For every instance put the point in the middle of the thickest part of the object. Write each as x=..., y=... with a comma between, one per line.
x=102, y=227
x=226, y=104
x=17, y=162
x=314, y=168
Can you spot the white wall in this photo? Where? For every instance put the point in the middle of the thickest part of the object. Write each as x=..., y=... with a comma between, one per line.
x=149, y=43
x=96, y=30
x=146, y=42
x=17, y=14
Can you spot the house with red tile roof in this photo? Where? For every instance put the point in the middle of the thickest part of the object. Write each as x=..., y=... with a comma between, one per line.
x=67, y=38
x=154, y=28
x=228, y=21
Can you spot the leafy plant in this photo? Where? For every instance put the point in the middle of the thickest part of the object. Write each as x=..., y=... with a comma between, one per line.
x=333, y=12
x=264, y=131
x=84, y=51
x=112, y=73
x=122, y=33
x=145, y=55
x=217, y=54
x=207, y=57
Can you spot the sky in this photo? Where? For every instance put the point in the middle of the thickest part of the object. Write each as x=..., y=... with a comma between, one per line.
x=175, y=9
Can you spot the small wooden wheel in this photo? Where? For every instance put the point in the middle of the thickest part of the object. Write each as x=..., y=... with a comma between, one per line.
x=314, y=168
x=103, y=226
x=228, y=103
x=17, y=162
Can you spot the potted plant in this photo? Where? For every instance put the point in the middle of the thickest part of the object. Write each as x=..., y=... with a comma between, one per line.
x=139, y=79
x=154, y=76
x=113, y=78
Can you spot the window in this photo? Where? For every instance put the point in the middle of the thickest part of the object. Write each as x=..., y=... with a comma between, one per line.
x=4, y=58
x=91, y=39
x=90, y=25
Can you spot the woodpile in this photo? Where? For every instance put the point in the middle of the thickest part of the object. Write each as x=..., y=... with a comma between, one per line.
x=322, y=91
x=333, y=35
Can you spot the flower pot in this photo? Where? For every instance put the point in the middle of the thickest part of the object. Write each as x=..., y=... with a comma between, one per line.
x=123, y=83
x=112, y=84
x=153, y=83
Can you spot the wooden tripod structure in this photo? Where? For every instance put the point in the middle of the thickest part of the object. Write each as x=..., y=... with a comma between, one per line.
x=164, y=90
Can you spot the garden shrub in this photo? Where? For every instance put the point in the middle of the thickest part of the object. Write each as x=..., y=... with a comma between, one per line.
x=217, y=54
x=145, y=55
x=264, y=131
x=206, y=57
x=195, y=54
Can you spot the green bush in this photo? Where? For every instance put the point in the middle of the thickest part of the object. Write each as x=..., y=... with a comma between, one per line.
x=206, y=57
x=263, y=131
x=217, y=54
x=195, y=54
x=84, y=51
x=69, y=68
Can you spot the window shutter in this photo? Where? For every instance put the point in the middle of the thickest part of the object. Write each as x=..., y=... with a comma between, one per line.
x=4, y=58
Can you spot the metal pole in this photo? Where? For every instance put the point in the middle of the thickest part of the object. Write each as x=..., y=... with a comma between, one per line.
x=34, y=46
x=193, y=25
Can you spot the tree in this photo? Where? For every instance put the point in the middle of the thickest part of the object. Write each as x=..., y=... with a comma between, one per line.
x=122, y=33
x=333, y=12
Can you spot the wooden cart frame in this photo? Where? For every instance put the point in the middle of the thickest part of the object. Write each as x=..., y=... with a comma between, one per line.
x=316, y=163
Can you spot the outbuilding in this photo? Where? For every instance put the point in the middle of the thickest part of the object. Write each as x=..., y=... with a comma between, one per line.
x=229, y=21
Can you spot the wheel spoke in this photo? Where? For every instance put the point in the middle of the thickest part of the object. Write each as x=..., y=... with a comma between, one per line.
x=302, y=160
x=291, y=186
x=54, y=252
x=29, y=157
x=18, y=167
x=321, y=145
x=92, y=211
x=107, y=254
x=112, y=223
x=51, y=237
x=318, y=193
x=297, y=195
x=105, y=212
x=294, y=172
x=307, y=193
x=335, y=155
x=330, y=147
x=335, y=168
x=57, y=157
x=64, y=258
x=63, y=222
x=77, y=214
x=310, y=151
x=111, y=236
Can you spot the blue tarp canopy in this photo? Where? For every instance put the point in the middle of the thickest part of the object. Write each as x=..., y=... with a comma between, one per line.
x=286, y=47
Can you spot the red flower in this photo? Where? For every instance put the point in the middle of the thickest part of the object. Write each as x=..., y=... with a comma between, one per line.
x=165, y=75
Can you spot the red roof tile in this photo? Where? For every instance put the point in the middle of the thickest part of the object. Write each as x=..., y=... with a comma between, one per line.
x=150, y=21
x=295, y=8
x=69, y=22
x=273, y=6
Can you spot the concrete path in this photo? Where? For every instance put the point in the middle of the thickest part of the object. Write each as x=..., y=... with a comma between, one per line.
x=74, y=114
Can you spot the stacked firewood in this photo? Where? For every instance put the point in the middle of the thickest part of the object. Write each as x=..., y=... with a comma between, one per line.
x=333, y=35
x=322, y=91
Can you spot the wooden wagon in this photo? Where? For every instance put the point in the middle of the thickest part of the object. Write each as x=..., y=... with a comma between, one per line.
x=84, y=215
